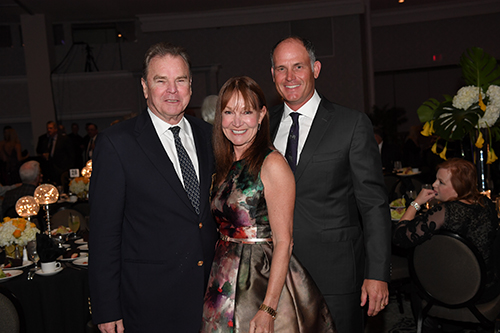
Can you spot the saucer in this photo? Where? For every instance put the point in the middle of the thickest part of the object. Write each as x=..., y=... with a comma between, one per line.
x=40, y=272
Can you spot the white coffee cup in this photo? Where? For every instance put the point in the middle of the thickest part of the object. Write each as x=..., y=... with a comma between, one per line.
x=73, y=198
x=49, y=267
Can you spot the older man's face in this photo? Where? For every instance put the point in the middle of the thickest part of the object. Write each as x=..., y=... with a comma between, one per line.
x=292, y=73
x=51, y=129
x=168, y=88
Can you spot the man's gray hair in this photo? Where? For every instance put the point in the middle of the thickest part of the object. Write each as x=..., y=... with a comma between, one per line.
x=160, y=50
x=29, y=171
x=307, y=44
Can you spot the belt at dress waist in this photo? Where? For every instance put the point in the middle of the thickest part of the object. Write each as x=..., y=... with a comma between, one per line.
x=245, y=240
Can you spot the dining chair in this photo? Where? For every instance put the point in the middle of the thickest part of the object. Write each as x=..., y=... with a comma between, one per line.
x=61, y=218
x=12, y=314
x=399, y=284
x=450, y=276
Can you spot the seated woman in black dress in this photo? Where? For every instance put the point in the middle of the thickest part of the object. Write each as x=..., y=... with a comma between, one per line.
x=463, y=210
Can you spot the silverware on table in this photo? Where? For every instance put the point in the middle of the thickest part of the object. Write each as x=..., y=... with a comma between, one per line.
x=31, y=273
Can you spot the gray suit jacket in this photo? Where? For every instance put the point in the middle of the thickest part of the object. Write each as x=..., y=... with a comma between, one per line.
x=342, y=226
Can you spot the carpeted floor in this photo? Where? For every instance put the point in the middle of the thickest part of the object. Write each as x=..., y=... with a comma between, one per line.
x=392, y=321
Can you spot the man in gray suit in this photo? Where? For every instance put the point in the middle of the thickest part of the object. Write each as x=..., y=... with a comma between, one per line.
x=342, y=229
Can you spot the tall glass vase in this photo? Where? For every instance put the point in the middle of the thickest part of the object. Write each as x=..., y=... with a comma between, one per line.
x=484, y=182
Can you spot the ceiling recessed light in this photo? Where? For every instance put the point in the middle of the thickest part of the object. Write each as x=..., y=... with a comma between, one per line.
x=401, y=1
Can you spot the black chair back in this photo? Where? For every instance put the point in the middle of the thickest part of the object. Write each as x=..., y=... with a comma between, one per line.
x=12, y=314
x=449, y=272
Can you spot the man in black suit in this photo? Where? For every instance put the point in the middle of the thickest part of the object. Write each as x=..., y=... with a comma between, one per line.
x=56, y=152
x=152, y=242
x=89, y=140
x=342, y=227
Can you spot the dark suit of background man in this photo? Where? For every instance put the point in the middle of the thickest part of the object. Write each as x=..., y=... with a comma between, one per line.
x=151, y=251
x=341, y=224
x=56, y=154
x=89, y=141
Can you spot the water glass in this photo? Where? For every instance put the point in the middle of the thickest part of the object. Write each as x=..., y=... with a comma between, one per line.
x=398, y=165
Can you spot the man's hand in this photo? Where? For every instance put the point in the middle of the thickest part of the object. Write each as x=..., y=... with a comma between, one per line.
x=110, y=327
x=376, y=294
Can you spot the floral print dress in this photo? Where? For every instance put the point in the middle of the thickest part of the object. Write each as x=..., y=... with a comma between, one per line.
x=240, y=272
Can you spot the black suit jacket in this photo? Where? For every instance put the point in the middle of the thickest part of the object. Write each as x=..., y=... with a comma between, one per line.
x=150, y=253
x=62, y=159
x=342, y=228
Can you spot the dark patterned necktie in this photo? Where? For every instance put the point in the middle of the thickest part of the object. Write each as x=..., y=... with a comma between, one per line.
x=293, y=141
x=191, y=184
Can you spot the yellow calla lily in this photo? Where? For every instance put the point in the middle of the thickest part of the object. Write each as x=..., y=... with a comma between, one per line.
x=434, y=148
x=481, y=103
x=443, y=153
x=428, y=128
x=480, y=140
x=491, y=156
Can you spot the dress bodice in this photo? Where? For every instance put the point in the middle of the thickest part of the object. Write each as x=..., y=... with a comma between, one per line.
x=239, y=206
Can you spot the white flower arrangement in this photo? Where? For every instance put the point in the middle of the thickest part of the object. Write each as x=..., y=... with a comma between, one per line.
x=79, y=185
x=492, y=112
x=17, y=231
x=466, y=96
x=472, y=112
x=469, y=95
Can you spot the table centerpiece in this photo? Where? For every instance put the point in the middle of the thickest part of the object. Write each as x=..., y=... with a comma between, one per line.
x=80, y=187
x=15, y=233
x=473, y=111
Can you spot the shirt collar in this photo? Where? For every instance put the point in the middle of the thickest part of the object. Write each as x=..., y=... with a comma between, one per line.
x=162, y=126
x=309, y=109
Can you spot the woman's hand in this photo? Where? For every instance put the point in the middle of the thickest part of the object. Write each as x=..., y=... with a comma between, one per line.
x=424, y=196
x=262, y=323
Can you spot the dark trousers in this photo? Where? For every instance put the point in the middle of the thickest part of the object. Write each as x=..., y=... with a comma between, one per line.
x=346, y=312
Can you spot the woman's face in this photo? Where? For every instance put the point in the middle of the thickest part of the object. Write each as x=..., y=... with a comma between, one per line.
x=240, y=123
x=443, y=187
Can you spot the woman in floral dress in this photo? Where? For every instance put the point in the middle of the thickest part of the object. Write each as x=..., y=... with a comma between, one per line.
x=256, y=284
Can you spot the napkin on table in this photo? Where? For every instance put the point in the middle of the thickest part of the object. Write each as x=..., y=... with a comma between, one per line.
x=47, y=249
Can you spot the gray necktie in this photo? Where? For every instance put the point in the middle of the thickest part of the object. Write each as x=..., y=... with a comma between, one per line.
x=191, y=184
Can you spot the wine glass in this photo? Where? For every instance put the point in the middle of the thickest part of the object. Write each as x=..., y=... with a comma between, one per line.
x=74, y=222
x=31, y=251
x=431, y=202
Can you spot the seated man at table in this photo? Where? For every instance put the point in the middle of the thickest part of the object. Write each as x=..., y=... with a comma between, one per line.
x=31, y=176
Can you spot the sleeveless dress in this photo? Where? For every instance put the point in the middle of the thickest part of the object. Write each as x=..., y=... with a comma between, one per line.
x=240, y=272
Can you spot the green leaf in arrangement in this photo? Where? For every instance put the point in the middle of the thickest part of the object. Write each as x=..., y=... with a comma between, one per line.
x=452, y=123
x=426, y=111
x=479, y=68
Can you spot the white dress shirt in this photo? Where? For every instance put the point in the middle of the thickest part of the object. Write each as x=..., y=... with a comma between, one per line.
x=167, y=139
x=307, y=113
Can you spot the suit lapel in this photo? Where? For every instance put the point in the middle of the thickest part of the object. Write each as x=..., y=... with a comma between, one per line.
x=151, y=145
x=276, y=121
x=202, y=151
x=320, y=125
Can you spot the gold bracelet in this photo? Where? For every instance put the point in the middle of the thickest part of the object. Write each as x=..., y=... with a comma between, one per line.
x=269, y=310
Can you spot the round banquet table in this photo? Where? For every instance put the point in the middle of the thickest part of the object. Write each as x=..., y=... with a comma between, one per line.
x=53, y=304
